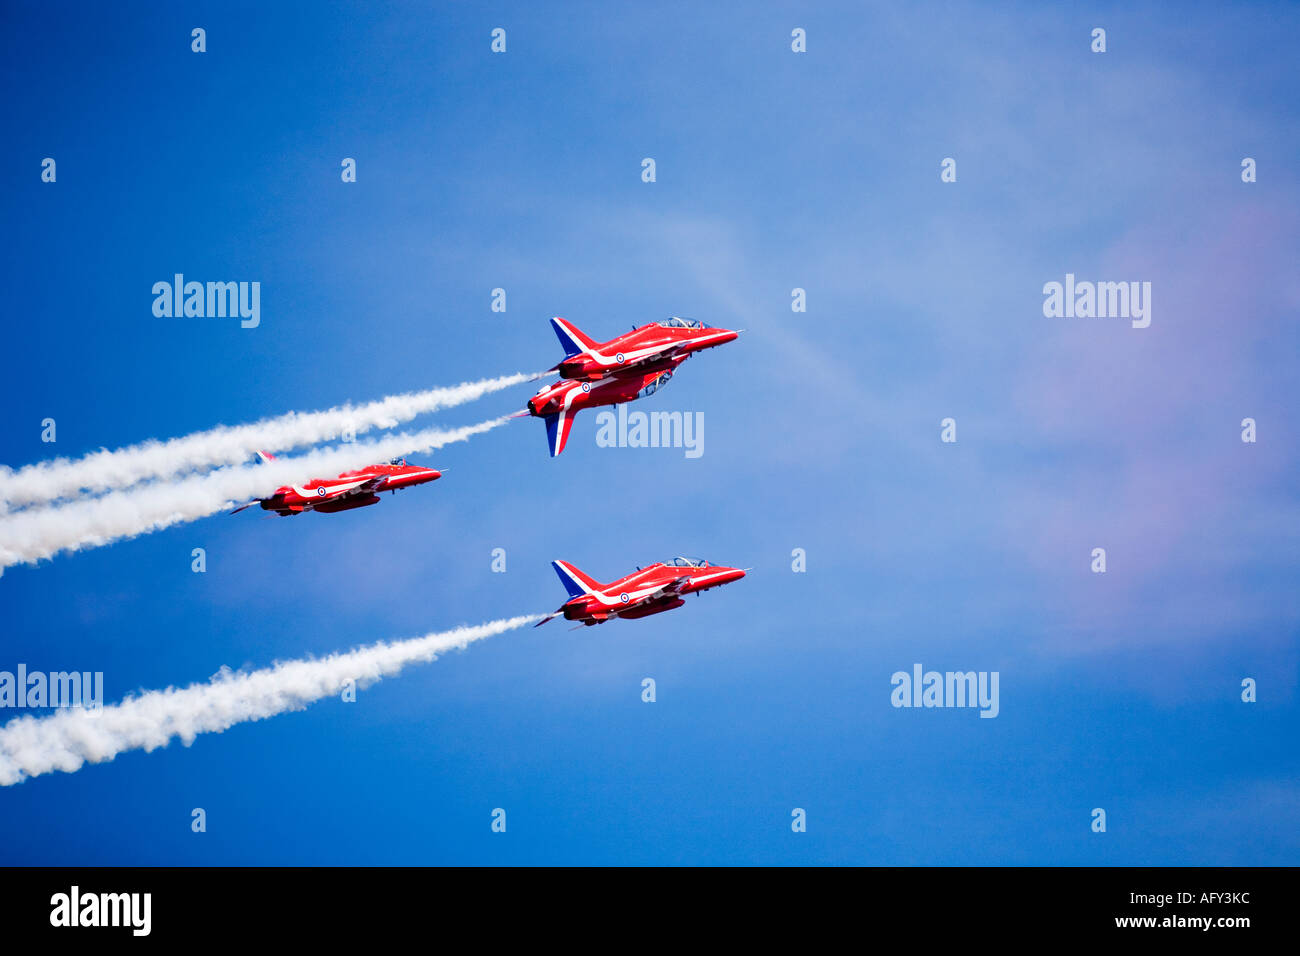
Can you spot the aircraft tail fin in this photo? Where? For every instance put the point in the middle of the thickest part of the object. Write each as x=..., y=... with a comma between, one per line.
x=572, y=339
x=574, y=581
x=264, y=457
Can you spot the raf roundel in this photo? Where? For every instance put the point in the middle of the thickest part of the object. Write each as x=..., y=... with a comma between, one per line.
x=321, y=491
x=586, y=386
x=623, y=597
x=619, y=358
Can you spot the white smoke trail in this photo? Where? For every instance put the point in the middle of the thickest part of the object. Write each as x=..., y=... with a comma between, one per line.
x=35, y=534
x=31, y=746
x=105, y=470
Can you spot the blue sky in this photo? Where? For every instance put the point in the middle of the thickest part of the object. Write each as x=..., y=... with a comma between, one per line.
x=775, y=170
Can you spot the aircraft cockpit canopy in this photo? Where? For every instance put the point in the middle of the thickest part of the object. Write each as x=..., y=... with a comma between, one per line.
x=677, y=322
x=397, y=461
x=688, y=563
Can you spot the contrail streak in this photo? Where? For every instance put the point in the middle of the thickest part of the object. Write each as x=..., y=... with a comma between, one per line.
x=34, y=534
x=31, y=746
x=105, y=470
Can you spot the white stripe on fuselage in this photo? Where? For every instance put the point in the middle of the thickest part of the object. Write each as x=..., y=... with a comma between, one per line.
x=636, y=354
x=637, y=594
x=331, y=491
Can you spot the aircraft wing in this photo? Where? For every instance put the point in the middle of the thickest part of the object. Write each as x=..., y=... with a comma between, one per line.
x=663, y=355
x=366, y=487
x=671, y=589
x=666, y=354
x=671, y=352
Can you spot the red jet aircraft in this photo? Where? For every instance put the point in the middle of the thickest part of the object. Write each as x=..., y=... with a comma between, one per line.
x=557, y=403
x=646, y=345
x=646, y=591
x=629, y=367
x=352, y=489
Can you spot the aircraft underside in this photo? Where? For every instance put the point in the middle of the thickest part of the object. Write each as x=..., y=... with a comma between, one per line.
x=645, y=610
x=328, y=507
